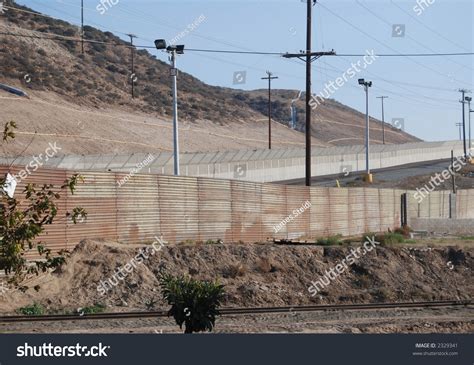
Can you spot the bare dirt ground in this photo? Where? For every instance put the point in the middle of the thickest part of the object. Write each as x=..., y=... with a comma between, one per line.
x=46, y=117
x=263, y=275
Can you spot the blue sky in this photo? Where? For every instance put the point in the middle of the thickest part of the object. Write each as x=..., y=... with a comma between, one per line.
x=422, y=91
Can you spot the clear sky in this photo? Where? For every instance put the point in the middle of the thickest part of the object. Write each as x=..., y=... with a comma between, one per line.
x=422, y=91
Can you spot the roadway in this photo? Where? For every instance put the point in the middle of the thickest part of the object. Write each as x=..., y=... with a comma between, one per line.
x=394, y=173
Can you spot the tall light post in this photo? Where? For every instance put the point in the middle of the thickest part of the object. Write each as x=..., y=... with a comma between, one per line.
x=463, y=101
x=269, y=77
x=383, y=118
x=173, y=51
x=367, y=84
x=469, y=99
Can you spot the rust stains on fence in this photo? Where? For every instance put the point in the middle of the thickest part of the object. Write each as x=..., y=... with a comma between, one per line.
x=190, y=208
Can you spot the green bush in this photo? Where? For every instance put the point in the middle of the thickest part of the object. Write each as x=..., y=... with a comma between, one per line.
x=384, y=238
x=194, y=303
x=391, y=238
x=96, y=308
x=330, y=241
x=32, y=310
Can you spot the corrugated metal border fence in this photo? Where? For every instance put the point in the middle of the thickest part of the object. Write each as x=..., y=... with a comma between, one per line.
x=190, y=208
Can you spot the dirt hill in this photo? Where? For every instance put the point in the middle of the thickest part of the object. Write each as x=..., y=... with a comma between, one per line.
x=99, y=81
x=254, y=275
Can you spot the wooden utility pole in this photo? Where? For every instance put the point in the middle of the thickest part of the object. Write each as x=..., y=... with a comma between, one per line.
x=269, y=78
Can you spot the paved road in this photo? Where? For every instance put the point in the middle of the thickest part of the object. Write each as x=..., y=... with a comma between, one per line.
x=387, y=174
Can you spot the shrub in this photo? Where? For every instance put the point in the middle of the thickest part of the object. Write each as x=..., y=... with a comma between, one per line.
x=235, y=270
x=404, y=231
x=193, y=303
x=330, y=241
x=32, y=310
x=391, y=238
x=384, y=238
x=96, y=308
x=21, y=224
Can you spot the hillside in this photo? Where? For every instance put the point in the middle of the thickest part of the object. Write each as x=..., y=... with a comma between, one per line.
x=84, y=99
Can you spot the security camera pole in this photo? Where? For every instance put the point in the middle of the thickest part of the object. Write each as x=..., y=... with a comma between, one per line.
x=367, y=84
x=173, y=51
x=269, y=78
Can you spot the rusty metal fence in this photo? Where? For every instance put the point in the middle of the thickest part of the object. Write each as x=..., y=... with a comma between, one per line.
x=196, y=208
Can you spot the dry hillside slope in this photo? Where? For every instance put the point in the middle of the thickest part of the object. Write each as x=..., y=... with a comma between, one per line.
x=84, y=102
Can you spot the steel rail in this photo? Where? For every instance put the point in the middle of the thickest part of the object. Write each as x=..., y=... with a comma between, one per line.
x=235, y=311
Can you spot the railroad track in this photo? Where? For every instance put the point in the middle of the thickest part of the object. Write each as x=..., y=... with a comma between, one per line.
x=236, y=311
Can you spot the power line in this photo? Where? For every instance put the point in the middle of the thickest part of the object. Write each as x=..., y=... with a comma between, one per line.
x=429, y=28
x=383, y=44
x=407, y=35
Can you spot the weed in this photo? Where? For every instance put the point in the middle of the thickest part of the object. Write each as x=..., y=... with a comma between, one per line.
x=32, y=310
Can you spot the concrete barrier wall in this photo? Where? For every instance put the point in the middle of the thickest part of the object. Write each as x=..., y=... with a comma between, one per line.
x=444, y=226
x=190, y=208
x=261, y=165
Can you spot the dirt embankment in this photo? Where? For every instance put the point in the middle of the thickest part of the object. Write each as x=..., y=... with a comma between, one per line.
x=254, y=275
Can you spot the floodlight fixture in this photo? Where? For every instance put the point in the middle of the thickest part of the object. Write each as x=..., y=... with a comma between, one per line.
x=160, y=44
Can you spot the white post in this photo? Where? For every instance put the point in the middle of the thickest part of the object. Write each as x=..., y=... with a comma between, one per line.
x=367, y=130
x=174, y=75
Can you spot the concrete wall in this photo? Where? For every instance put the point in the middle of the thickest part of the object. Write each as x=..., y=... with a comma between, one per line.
x=444, y=226
x=261, y=165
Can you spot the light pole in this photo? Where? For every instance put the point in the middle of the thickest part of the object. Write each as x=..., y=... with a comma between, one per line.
x=367, y=84
x=463, y=101
x=383, y=118
x=469, y=99
x=173, y=51
x=269, y=78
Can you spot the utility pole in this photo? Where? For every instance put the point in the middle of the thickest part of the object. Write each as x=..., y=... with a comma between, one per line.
x=463, y=101
x=82, y=26
x=269, y=78
x=460, y=130
x=367, y=84
x=132, y=76
x=308, y=57
x=383, y=118
x=452, y=174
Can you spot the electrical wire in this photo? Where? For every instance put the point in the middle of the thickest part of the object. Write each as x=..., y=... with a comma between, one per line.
x=397, y=54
